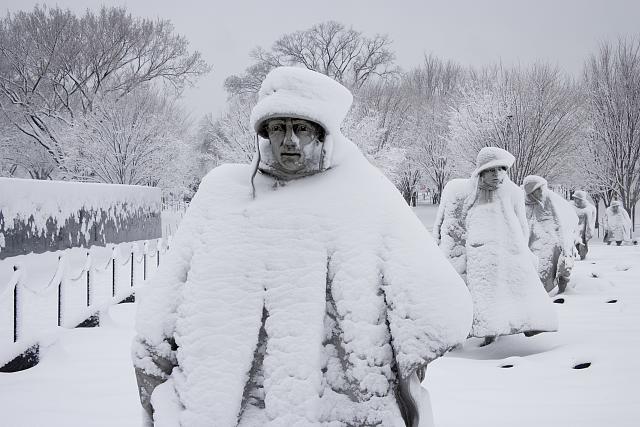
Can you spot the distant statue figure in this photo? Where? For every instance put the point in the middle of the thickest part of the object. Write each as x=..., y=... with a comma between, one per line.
x=587, y=221
x=481, y=227
x=617, y=224
x=553, y=231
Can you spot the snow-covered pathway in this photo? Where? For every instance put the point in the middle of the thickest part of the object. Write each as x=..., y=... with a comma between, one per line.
x=86, y=379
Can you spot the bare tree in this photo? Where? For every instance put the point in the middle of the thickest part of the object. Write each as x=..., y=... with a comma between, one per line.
x=230, y=136
x=139, y=139
x=19, y=155
x=412, y=111
x=330, y=48
x=363, y=127
x=392, y=102
x=432, y=154
x=54, y=64
x=532, y=113
x=612, y=85
x=407, y=184
x=433, y=88
x=249, y=83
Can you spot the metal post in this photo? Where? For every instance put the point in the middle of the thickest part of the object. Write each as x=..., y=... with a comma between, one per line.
x=132, y=269
x=113, y=277
x=15, y=312
x=144, y=267
x=88, y=287
x=158, y=258
x=60, y=303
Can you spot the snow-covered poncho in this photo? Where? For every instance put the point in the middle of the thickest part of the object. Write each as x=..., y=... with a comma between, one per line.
x=617, y=225
x=587, y=221
x=487, y=245
x=301, y=307
x=553, y=230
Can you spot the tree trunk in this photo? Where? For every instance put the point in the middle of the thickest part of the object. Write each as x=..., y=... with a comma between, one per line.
x=407, y=196
x=596, y=199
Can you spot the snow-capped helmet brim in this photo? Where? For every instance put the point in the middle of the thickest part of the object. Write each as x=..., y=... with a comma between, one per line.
x=301, y=93
x=507, y=163
x=532, y=182
x=492, y=157
x=580, y=195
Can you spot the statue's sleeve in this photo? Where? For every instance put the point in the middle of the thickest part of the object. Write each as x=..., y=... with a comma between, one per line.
x=428, y=306
x=437, y=225
x=521, y=212
x=154, y=348
x=446, y=199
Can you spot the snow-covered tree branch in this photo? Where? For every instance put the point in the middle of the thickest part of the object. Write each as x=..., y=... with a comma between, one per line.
x=54, y=65
x=530, y=112
x=139, y=139
x=612, y=89
x=329, y=48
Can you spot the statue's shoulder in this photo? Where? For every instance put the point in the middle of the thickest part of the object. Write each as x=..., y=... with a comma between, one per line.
x=458, y=188
x=223, y=176
x=515, y=190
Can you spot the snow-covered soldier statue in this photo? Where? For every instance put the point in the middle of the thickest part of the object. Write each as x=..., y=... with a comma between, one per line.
x=481, y=227
x=553, y=230
x=587, y=221
x=617, y=224
x=300, y=290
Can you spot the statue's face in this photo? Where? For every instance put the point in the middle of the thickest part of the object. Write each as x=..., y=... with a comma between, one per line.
x=295, y=144
x=614, y=208
x=494, y=176
x=537, y=193
x=580, y=203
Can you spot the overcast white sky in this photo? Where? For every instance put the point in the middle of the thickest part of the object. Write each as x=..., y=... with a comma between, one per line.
x=472, y=32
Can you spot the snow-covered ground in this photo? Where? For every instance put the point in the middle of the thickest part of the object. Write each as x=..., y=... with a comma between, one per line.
x=85, y=378
x=599, y=325
x=427, y=214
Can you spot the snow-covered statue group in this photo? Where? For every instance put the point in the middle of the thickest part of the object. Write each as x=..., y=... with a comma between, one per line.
x=303, y=291
x=482, y=228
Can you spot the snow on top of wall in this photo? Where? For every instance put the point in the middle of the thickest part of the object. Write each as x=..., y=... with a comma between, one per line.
x=21, y=198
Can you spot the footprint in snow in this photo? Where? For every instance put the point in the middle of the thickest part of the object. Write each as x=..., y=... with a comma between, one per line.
x=612, y=301
x=583, y=365
x=559, y=300
x=506, y=366
x=623, y=267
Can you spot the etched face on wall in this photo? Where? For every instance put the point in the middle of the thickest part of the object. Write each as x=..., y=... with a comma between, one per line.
x=296, y=144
